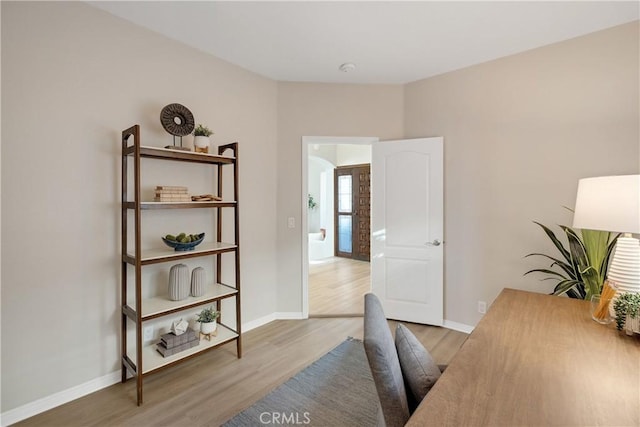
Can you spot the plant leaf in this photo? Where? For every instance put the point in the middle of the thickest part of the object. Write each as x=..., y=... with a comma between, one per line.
x=587, y=273
x=546, y=271
x=604, y=267
x=563, y=265
x=572, y=293
x=558, y=244
x=567, y=269
x=565, y=286
x=595, y=244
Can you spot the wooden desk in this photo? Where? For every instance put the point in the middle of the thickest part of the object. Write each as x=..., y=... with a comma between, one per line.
x=538, y=360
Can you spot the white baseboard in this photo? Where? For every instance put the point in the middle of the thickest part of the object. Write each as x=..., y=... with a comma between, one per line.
x=261, y=321
x=460, y=327
x=36, y=407
x=23, y=412
x=289, y=315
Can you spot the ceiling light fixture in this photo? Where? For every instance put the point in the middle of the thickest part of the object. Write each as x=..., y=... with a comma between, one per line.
x=346, y=67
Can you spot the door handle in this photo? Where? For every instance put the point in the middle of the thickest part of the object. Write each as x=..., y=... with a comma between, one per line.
x=436, y=242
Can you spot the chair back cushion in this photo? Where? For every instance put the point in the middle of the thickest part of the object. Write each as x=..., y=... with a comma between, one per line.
x=384, y=363
x=419, y=370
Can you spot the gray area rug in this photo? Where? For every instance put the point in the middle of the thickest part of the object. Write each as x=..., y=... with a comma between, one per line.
x=335, y=390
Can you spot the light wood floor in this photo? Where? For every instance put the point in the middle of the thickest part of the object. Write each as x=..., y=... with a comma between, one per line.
x=211, y=388
x=337, y=286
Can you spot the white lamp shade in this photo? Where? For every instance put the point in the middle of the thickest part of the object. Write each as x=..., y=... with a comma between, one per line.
x=609, y=203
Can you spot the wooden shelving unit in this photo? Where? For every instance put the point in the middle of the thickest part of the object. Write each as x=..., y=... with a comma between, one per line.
x=146, y=359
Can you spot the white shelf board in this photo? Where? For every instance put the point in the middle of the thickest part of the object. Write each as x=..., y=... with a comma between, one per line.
x=148, y=147
x=153, y=203
x=167, y=252
x=162, y=304
x=152, y=360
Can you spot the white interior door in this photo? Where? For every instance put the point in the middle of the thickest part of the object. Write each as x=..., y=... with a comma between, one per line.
x=407, y=228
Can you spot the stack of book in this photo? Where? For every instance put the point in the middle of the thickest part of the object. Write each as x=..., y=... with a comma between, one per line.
x=171, y=193
x=171, y=344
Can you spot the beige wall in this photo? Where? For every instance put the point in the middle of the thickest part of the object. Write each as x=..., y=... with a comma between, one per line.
x=313, y=109
x=72, y=78
x=518, y=133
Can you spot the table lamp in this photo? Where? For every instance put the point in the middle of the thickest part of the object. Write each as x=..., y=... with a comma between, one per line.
x=612, y=203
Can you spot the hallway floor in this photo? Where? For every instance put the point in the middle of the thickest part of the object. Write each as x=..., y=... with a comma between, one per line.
x=337, y=287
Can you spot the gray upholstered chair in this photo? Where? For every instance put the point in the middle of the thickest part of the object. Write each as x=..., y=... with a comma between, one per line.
x=403, y=370
x=385, y=365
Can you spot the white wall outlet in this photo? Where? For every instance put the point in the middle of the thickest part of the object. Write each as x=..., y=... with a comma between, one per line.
x=147, y=334
x=291, y=222
x=482, y=307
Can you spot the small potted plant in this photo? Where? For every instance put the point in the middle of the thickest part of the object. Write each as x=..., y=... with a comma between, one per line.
x=312, y=203
x=201, y=141
x=207, y=319
x=627, y=309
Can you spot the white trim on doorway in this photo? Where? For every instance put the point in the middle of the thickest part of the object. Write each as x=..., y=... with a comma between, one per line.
x=308, y=141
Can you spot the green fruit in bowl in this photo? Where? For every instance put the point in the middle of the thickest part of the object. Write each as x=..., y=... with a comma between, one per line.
x=183, y=241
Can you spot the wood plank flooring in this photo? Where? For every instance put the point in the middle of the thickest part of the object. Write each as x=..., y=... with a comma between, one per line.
x=337, y=287
x=211, y=388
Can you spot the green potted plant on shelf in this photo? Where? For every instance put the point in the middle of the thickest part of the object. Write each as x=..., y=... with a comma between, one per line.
x=201, y=140
x=207, y=319
x=627, y=309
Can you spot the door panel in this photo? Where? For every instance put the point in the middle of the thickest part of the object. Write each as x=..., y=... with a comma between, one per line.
x=403, y=276
x=345, y=235
x=406, y=210
x=407, y=218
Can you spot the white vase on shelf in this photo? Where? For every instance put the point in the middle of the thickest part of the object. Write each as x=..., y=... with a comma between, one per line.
x=178, y=282
x=201, y=144
x=198, y=280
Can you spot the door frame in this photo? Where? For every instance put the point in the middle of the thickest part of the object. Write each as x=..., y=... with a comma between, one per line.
x=308, y=141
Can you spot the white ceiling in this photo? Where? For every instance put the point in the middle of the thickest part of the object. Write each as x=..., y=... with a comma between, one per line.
x=390, y=42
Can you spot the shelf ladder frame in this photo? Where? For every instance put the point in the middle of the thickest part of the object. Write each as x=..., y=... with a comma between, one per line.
x=136, y=150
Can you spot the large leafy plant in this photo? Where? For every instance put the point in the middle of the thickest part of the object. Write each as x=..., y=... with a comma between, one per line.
x=582, y=266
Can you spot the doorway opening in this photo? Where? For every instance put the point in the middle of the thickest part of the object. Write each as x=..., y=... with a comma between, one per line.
x=333, y=285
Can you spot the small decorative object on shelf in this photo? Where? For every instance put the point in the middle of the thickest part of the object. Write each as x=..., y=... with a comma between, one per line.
x=201, y=141
x=178, y=121
x=627, y=308
x=179, y=327
x=207, y=319
x=171, y=344
x=183, y=242
x=172, y=193
x=178, y=282
x=206, y=198
x=198, y=280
